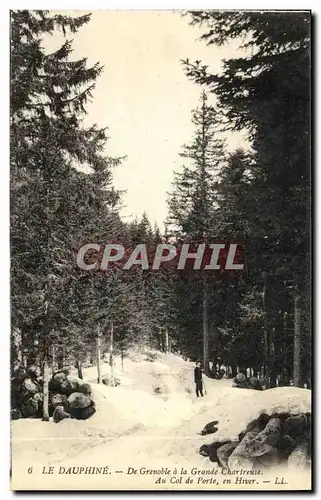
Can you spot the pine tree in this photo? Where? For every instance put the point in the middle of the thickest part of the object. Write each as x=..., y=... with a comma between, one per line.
x=49, y=143
x=267, y=92
x=192, y=204
x=193, y=201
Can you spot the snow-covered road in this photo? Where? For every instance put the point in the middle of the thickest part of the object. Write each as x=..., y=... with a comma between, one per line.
x=136, y=428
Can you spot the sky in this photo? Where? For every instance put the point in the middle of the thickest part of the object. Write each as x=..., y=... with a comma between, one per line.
x=144, y=97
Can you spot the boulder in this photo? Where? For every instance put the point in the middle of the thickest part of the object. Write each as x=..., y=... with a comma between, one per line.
x=28, y=388
x=266, y=440
x=212, y=453
x=210, y=428
x=255, y=384
x=15, y=414
x=299, y=456
x=30, y=385
x=30, y=408
x=34, y=372
x=224, y=452
x=60, y=414
x=15, y=385
x=69, y=385
x=295, y=425
x=210, y=450
x=16, y=397
x=270, y=459
x=78, y=400
x=16, y=400
x=85, y=413
x=85, y=389
x=261, y=422
x=204, y=450
x=242, y=385
x=58, y=400
x=240, y=457
x=65, y=370
x=39, y=400
x=38, y=397
x=285, y=446
x=56, y=381
x=115, y=382
x=20, y=373
x=59, y=376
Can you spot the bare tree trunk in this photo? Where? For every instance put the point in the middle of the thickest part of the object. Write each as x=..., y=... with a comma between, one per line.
x=266, y=335
x=53, y=358
x=166, y=340
x=79, y=369
x=297, y=342
x=24, y=358
x=122, y=359
x=269, y=333
x=61, y=359
x=272, y=359
x=161, y=340
x=98, y=357
x=111, y=360
x=205, y=328
x=45, y=389
x=284, y=338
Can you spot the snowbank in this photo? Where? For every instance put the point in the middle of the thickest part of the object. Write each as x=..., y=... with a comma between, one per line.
x=235, y=408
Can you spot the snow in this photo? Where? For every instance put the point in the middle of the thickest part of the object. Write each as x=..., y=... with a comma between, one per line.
x=133, y=426
x=237, y=407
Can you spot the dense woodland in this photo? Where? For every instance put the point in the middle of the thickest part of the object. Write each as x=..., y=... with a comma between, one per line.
x=259, y=318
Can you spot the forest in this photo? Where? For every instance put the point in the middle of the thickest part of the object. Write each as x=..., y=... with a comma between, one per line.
x=63, y=196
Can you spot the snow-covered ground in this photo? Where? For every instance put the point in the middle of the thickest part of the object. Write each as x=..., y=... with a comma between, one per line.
x=134, y=427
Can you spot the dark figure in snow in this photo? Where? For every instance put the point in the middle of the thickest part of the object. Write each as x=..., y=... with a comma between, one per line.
x=198, y=379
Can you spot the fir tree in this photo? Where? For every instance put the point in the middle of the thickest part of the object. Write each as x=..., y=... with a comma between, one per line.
x=267, y=92
x=193, y=202
x=49, y=143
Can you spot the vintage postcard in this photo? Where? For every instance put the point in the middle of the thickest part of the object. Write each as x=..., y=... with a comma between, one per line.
x=160, y=250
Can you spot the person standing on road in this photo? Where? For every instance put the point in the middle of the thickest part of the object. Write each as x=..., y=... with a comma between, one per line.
x=198, y=373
